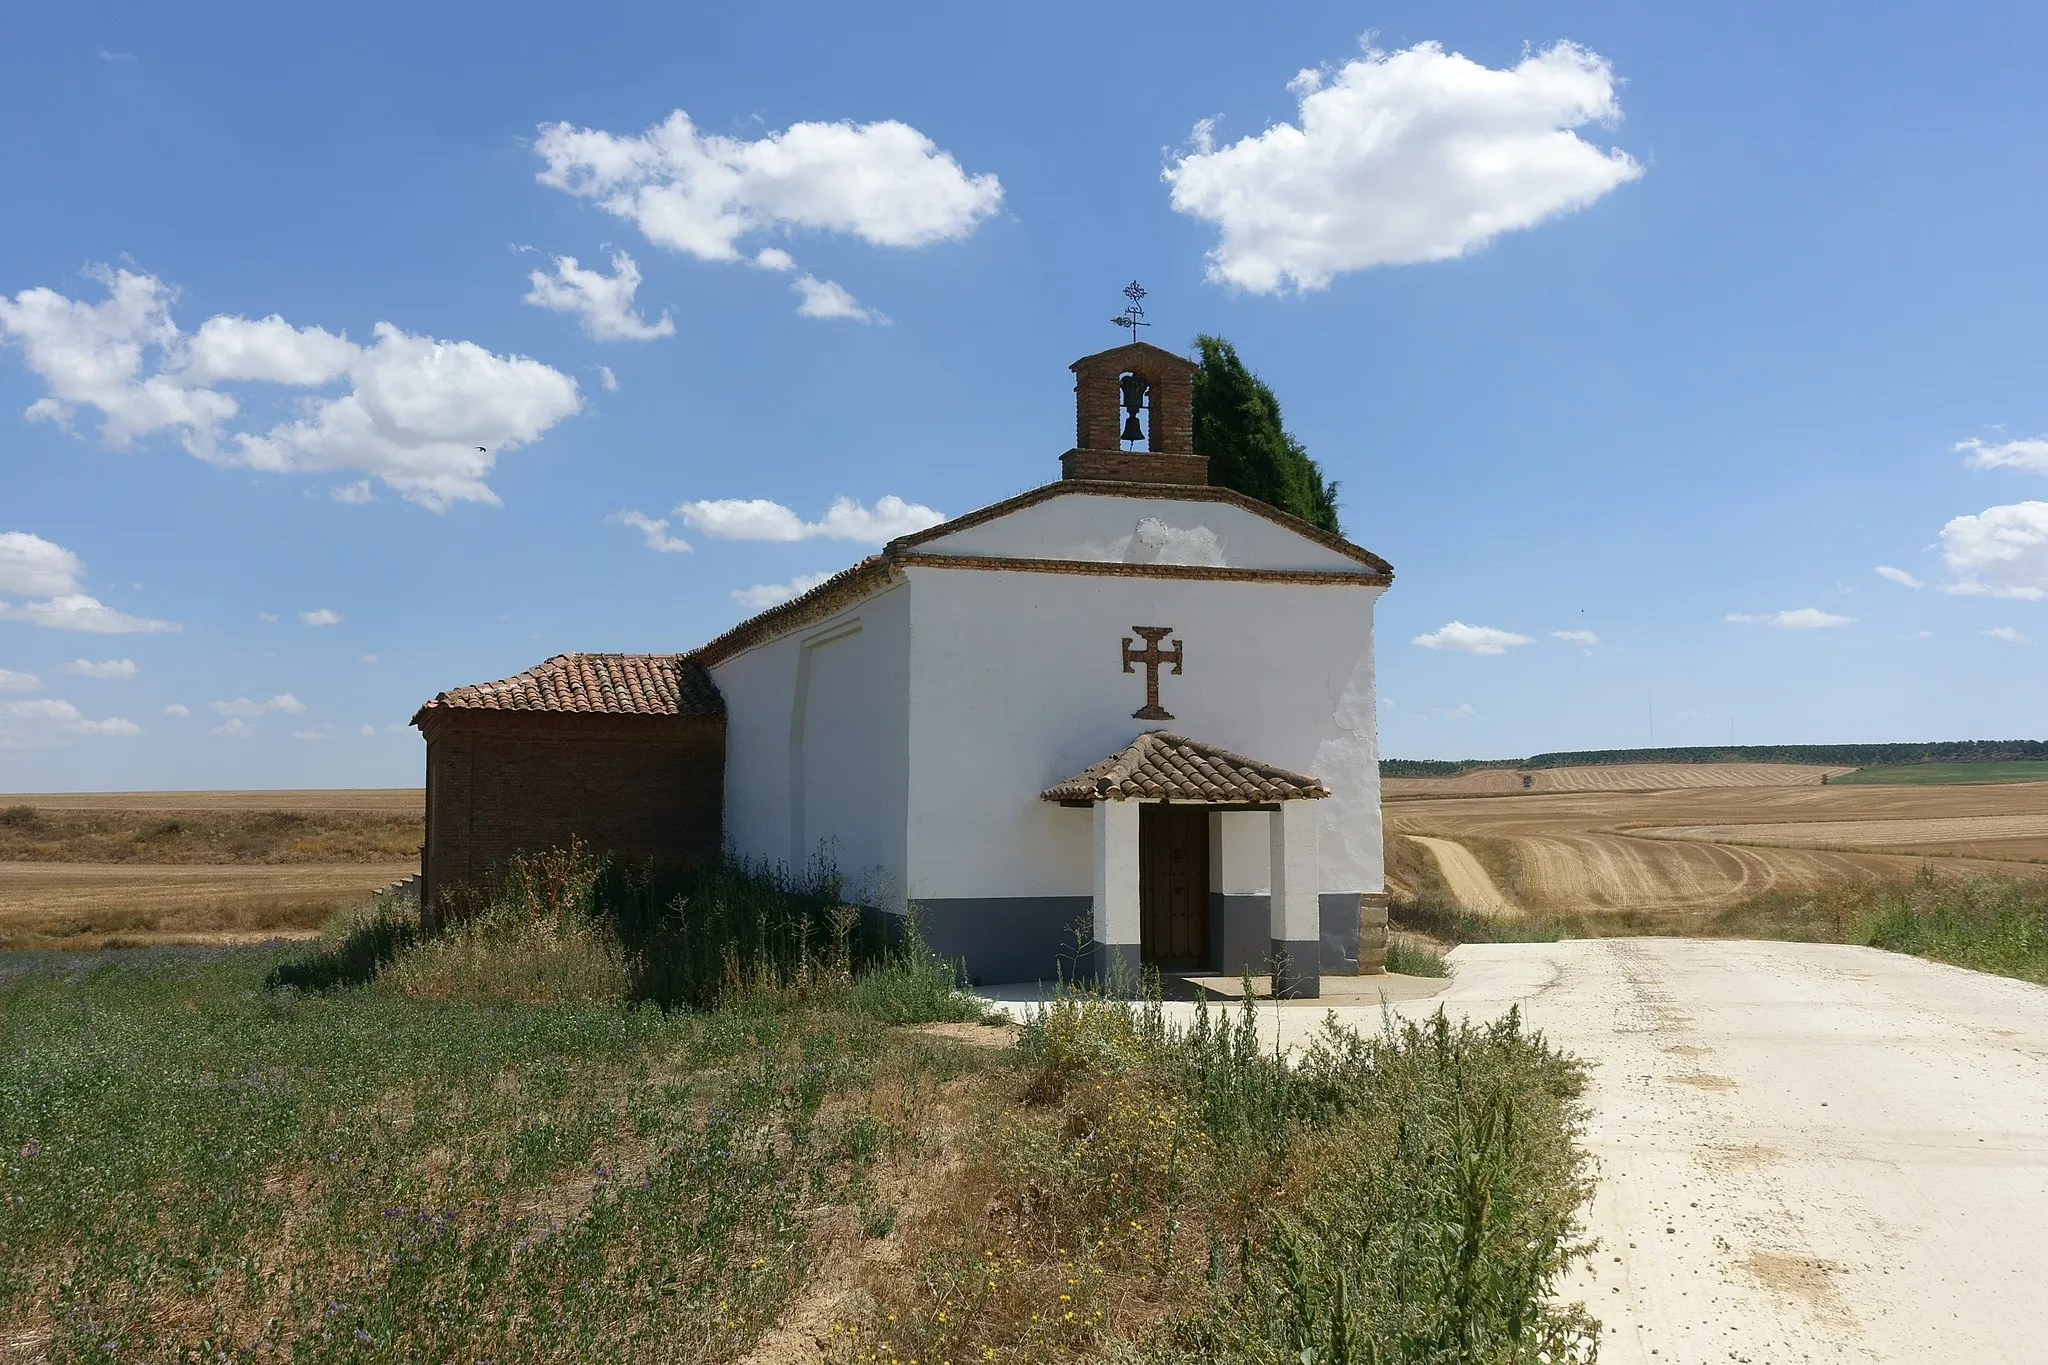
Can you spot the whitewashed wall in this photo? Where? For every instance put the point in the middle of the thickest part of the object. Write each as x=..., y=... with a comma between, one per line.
x=817, y=745
x=1099, y=529
x=1017, y=681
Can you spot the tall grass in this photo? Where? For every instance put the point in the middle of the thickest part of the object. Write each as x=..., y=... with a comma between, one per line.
x=568, y=925
x=1178, y=1193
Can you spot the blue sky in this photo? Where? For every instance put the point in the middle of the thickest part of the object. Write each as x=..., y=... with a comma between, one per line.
x=1634, y=321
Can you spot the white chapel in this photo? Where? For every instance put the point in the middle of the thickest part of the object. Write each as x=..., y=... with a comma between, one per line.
x=1125, y=717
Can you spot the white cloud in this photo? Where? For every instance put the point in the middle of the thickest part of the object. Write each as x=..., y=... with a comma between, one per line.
x=355, y=494
x=267, y=617
x=283, y=702
x=34, y=567
x=46, y=720
x=177, y=708
x=104, y=668
x=11, y=681
x=884, y=183
x=774, y=258
x=1461, y=711
x=1466, y=639
x=1417, y=155
x=654, y=530
x=367, y=659
x=269, y=350
x=846, y=519
x=309, y=734
x=321, y=616
x=2032, y=455
x=1804, y=618
x=603, y=303
x=824, y=299
x=608, y=379
x=1899, y=576
x=426, y=417
x=2005, y=633
x=76, y=611
x=764, y=595
x=235, y=728
x=368, y=732
x=1388, y=702
x=2000, y=552
x=1577, y=637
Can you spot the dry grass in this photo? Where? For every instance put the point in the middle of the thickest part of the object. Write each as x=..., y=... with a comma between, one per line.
x=87, y=905
x=43, y=834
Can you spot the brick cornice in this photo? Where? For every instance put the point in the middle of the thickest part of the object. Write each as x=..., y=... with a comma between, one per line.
x=878, y=572
x=829, y=598
x=1210, y=573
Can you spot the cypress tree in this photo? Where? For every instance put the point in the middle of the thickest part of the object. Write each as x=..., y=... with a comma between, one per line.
x=1237, y=425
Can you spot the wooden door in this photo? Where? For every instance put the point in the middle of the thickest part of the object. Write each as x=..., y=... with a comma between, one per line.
x=1173, y=886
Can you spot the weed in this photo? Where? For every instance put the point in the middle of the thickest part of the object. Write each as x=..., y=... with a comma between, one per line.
x=1407, y=957
x=1179, y=1194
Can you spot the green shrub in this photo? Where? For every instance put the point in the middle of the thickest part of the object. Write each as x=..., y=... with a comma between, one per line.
x=21, y=817
x=1408, y=958
x=358, y=944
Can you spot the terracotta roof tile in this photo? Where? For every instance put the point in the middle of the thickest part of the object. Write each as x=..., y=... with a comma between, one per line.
x=1160, y=765
x=596, y=684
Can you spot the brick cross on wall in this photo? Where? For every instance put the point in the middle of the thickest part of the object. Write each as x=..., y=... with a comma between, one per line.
x=1152, y=656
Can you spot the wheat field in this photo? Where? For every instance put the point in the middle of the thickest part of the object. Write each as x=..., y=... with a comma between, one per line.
x=1724, y=836
x=101, y=869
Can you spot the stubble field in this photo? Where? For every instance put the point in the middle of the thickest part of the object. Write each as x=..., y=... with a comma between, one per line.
x=102, y=869
x=1635, y=839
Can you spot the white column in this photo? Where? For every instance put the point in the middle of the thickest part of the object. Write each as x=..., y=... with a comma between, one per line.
x=1116, y=889
x=1297, y=917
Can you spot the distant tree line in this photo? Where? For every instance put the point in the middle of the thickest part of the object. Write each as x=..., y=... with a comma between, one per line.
x=1833, y=755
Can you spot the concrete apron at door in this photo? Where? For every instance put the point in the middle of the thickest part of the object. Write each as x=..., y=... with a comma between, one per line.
x=1295, y=932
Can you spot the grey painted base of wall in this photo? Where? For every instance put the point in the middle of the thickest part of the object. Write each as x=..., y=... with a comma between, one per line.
x=1294, y=969
x=1006, y=940
x=1241, y=933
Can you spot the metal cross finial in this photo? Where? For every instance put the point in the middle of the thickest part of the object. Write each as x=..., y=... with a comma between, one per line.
x=1133, y=316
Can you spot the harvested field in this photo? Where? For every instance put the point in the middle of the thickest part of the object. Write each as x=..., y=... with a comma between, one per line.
x=90, y=869
x=1609, y=777
x=1693, y=849
x=88, y=905
x=400, y=800
x=2021, y=838
x=39, y=834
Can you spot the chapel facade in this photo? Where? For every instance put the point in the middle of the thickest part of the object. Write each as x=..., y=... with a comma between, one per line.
x=1126, y=716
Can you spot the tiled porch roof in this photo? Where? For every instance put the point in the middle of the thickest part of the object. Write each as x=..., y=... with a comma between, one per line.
x=1160, y=765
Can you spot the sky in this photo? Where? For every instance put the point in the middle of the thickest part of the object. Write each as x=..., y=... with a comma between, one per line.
x=1688, y=364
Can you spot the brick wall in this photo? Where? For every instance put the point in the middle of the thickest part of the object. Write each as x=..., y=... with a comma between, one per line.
x=1098, y=403
x=1134, y=466
x=646, y=789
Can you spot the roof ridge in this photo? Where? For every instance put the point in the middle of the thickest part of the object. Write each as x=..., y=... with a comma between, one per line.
x=1168, y=766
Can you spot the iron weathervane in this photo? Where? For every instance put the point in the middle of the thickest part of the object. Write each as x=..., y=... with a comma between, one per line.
x=1133, y=316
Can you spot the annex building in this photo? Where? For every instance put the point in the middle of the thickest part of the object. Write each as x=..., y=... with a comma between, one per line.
x=1125, y=703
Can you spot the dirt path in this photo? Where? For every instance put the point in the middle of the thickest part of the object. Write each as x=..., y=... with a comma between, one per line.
x=1469, y=885
x=1809, y=1152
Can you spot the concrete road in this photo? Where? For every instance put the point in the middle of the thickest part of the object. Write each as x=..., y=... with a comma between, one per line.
x=1807, y=1152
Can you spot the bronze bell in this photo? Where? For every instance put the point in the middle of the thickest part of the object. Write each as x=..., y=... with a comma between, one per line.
x=1133, y=389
